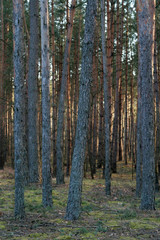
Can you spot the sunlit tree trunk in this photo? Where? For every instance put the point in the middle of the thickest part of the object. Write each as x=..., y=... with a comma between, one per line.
x=114, y=146
x=61, y=109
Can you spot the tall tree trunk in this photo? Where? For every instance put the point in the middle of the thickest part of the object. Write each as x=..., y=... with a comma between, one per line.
x=46, y=131
x=75, y=187
x=106, y=104
x=2, y=133
x=19, y=109
x=120, y=88
x=126, y=98
x=157, y=124
x=139, y=131
x=101, y=149
x=117, y=91
x=54, y=109
x=146, y=11
x=32, y=92
x=68, y=155
x=61, y=109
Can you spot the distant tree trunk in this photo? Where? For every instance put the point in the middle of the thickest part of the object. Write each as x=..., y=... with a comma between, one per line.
x=54, y=109
x=46, y=131
x=139, y=132
x=126, y=98
x=157, y=123
x=68, y=155
x=117, y=91
x=94, y=100
x=146, y=41
x=132, y=142
x=120, y=87
x=109, y=54
x=19, y=109
x=2, y=133
x=75, y=188
x=61, y=109
x=106, y=104
x=32, y=92
x=116, y=104
x=101, y=148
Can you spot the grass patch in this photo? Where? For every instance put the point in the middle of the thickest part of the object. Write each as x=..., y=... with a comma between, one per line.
x=103, y=217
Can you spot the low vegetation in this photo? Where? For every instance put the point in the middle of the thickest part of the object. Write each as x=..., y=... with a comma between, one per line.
x=114, y=217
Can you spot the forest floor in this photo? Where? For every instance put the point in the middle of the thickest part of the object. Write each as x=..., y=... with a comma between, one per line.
x=114, y=217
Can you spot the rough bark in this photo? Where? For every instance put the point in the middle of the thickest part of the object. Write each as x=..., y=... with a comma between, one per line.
x=145, y=17
x=61, y=109
x=106, y=104
x=54, y=108
x=19, y=109
x=75, y=187
x=32, y=92
x=46, y=131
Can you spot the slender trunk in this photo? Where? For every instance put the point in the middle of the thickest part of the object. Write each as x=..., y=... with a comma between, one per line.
x=106, y=104
x=2, y=133
x=32, y=92
x=46, y=131
x=157, y=124
x=61, y=110
x=139, y=132
x=101, y=152
x=117, y=92
x=120, y=88
x=126, y=98
x=68, y=155
x=54, y=108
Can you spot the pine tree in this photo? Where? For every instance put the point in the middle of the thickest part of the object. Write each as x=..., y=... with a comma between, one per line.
x=75, y=188
x=19, y=109
x=46, y=130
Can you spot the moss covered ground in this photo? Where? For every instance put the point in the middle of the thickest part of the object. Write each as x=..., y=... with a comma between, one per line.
x=103, y=217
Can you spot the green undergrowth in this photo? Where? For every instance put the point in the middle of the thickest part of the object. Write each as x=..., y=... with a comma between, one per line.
x=103, y=217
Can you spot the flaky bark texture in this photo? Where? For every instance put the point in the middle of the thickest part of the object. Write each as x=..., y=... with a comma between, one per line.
x=19, y=109
x=75, y=188
x=46, y=131
x=145, y=16
x=61, y=109
x=106, y=104
x=32, y=92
